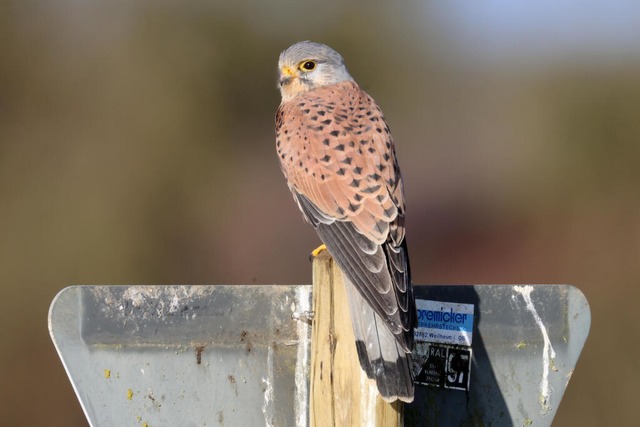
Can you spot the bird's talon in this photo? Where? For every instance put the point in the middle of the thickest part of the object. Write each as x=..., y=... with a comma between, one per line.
x=317, y=251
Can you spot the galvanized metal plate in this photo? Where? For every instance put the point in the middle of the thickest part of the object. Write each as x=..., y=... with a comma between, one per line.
x=185, y=355
x=526, y=343
x=232, y=355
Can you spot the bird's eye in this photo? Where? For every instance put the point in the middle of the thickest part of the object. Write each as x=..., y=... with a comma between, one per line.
x=307, y=66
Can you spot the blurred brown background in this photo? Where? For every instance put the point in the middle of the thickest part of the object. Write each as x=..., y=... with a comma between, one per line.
x=137, y=147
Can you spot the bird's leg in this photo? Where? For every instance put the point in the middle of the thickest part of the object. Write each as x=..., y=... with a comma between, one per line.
x=316, y=251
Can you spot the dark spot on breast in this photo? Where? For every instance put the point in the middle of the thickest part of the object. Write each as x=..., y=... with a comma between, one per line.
x=374, y=176
x=321, y=112
x=326, y=122
x=371, y=150
x=306, y=111
x=357, y=170
x=325, y=142
x=364, y=141
x=340, y=211
x=341, y=171
x=340, y=147
x=326, y=158
x=353, y=208
x=378, y=130
x=386, y=156
x=355, y=183
x=335, y=132
x=347, y=160
x=357, y=197
x=314, y=118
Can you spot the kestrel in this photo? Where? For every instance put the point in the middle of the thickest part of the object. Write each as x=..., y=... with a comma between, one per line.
x=338, y=158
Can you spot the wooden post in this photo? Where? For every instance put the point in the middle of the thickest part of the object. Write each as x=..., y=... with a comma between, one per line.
x=341, y=394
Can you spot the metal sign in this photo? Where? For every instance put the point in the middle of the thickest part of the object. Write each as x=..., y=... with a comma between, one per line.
x=154, y=356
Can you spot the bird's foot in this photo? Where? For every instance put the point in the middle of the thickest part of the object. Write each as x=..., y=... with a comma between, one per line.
x=317, y=251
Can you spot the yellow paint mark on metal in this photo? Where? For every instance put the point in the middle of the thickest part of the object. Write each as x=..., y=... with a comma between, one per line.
x=129, y=394
x=107, y=373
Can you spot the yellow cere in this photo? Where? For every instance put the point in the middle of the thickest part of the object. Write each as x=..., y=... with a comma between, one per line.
x=288, y=72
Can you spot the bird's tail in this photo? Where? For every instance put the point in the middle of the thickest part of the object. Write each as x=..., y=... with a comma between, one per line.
x=381, y=356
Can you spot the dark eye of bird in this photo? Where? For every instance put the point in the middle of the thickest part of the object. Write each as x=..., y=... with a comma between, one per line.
x=309, y=65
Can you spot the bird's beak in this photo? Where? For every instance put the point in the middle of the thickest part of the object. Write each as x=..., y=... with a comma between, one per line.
x=286, y=75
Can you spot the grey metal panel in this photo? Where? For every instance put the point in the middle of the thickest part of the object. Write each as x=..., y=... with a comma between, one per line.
x=518, y=376
x=232, y=355
x=185, y=355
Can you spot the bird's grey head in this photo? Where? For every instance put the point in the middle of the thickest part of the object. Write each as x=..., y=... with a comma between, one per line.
x=306, y=66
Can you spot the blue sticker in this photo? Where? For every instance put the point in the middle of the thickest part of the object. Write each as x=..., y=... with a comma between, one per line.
x=444, y=322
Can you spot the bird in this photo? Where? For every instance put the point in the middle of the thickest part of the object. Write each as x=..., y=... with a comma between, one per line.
x=338, y=158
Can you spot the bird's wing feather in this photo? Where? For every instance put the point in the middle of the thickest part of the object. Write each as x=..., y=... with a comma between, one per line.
x=380, y=354
x=337, y=154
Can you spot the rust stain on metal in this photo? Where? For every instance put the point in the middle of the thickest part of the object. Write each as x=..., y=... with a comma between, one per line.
x=199, y=351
